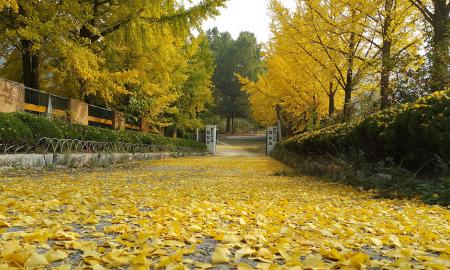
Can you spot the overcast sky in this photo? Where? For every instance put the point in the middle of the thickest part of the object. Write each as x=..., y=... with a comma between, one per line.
x=245, y=15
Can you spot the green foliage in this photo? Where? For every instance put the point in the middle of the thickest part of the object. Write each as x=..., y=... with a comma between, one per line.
x=14, y=130
x=242, y=57
x=413, y=135
x=27, y=129
x=196, y=92
x=40, y=126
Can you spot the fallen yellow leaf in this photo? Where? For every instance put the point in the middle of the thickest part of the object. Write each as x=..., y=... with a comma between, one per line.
x=56, y=255
x=36, y=260
x=220, y=255
x=244, y=266
x=313, y=261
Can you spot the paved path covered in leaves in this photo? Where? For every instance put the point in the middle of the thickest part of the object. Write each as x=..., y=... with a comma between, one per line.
x=211, y=212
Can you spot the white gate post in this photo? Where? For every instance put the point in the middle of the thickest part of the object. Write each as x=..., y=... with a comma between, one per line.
x=211, y=139
x=271, y=139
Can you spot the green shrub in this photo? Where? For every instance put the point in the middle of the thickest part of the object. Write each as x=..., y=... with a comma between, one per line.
x=14, y=130
x=99, y=134
x=25, y=128
x=40, y=126
x=70, y=130
x=413, y=135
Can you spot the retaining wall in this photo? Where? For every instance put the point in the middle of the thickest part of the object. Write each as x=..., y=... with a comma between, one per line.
x=39, y=161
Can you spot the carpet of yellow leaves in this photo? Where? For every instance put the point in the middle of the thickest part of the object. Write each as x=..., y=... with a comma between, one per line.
x=211, y=212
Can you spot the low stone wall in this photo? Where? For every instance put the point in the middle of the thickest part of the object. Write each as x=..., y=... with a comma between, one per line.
x=39, y=161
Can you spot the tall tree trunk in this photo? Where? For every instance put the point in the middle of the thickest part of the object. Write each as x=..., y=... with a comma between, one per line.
x=30, y=61
x=441, y=39
x=331, y=105
x=27, y=74
x=35, y=82
x=348, y=89
x=228, y=128
x=348, y=93
x=386, y=61
x=233, y=128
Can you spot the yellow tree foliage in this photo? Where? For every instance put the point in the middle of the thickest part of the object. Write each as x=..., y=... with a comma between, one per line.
x=325, y=53
x=9, y=4
x=132, y=55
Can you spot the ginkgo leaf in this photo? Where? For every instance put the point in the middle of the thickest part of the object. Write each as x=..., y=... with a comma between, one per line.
x=242, y=221
x=37, y=259
x=313, y=261
x=56, y=255
x=395, y=241
x=244, y=266
x=287, y=230
x=376, y=241
x=175, y=266
x=140, y=259
x=244, y=251
x=4, y=224
x=220, y=255
x=359, y=259
x=195, y=228
x=164, y=261
x=97, y=267
x=203, y=265
x=332, y=254
x=230, y=239
x=64, y=267
x=274, y=266
x=29, y=220
x=17, y=258
x=116, y=258
x=265, y=253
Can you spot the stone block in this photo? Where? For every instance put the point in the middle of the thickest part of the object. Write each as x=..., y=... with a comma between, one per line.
x=12, y=96
x=118, y=120
x=79, y=112
x=145, y=125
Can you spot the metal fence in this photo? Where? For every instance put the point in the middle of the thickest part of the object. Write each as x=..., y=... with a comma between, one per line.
x=55, y=145
x=132, y=122
x=100, y=117
x=40, y=98
x=100, y=112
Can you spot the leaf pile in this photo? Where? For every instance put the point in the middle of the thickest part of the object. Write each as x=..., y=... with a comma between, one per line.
x=211, y=212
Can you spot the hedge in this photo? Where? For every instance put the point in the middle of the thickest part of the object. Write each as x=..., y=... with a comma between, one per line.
x=27, y=129
x=413, y=135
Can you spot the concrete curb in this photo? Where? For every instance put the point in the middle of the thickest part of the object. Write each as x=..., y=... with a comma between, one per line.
x=78, y=160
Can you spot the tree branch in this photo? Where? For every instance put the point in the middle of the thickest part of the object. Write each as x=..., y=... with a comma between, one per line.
x=423, y=9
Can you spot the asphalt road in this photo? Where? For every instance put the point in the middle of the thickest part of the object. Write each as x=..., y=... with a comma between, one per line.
x=244, y=146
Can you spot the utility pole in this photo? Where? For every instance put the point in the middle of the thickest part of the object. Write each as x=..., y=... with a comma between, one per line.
x=278, y=109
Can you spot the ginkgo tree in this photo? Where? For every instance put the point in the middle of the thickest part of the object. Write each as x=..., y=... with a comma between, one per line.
x=195, y=93
x=394, y=24
x=324, y=47
x=335, y=54
x=133, y=55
